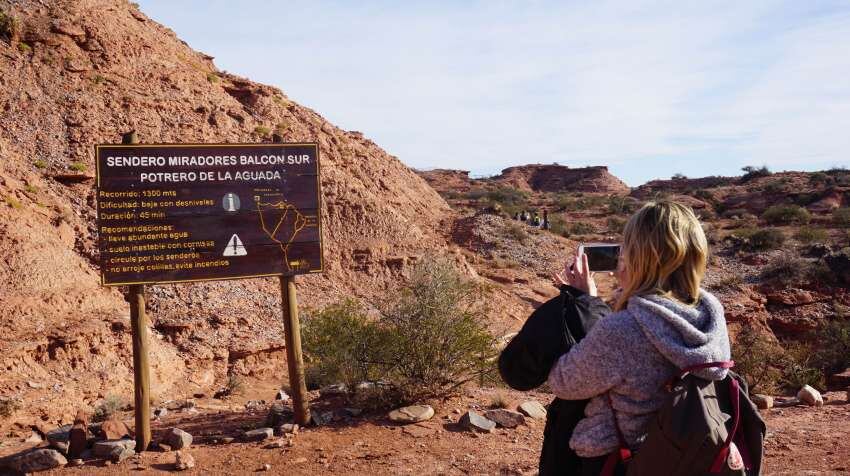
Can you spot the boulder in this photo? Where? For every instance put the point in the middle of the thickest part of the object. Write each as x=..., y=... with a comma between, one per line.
x=411, y=414
x=59, y=436
x=259, y=434
x=810, y=396
x=474, y=422
x=37, y=460
x=533, y=409
x=279, y=414
x=178, y=439
x=120, y=454
x=763, y=402
x=183, y=461
x=113, y=429
x=104, y=448
x=505, y=418
x=282, y=396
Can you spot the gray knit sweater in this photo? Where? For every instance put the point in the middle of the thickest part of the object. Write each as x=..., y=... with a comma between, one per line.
x=632, y=353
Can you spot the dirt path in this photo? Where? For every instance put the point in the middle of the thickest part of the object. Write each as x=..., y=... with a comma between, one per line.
x=811, y=441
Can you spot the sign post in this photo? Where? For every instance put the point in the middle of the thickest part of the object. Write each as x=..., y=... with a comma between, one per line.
x=172, y=213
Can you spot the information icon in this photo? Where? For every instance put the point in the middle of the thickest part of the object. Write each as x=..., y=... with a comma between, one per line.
x=230, y=202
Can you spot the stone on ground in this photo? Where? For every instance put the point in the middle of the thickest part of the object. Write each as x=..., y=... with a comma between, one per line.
x=810, y=396
x=259, y=434
x=38, y=460
x=505, y=418
x=474, y=422
x=114, y=429
x=412, y=414
x=533, y=409
x=841, y=379
x=278, y=414
x=763, y=402
x=78, y=436
x=183, y=461
x=104, y=448
x=178, y=439
x=119, y=454
x=334, y=390
x=321, y=418
x=282, y=396
x=286, y=428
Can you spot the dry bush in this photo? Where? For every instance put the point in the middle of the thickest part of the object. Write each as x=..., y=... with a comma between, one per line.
x=799, y=367
x=516, y=232
x=832, y=345
x=616, y=225
x=758, y=359
x=500, y=400
x=765, y=239
x=429, y=339
x=8, y=406
x=807, y=235
x=109, y=406
x=788, y=270
x=841, y=217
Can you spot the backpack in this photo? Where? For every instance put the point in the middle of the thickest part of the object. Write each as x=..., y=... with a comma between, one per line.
x=705, y=428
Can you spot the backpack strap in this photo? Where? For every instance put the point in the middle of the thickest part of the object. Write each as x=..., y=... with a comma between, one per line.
x=623, y=454
x=723, y=454
x=723, y=364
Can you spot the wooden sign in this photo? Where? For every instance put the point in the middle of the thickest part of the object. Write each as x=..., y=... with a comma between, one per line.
x=195, y=212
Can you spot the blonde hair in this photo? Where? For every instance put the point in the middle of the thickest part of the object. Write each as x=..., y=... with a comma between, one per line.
x=664, y=252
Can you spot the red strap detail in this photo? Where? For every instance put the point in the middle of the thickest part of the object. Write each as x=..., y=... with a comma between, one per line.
x=610, y=464
x=720, y=459
x=624, y=454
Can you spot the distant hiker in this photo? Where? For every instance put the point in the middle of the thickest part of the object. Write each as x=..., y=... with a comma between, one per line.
x=545, y=224
x=663, y=323
x=516, y=216
x=523, y=216
x=536, y=220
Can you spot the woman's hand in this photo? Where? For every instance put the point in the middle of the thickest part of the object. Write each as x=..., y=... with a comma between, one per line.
x=577, y=275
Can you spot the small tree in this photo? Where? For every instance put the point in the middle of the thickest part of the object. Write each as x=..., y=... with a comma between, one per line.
x=751, y=172
x=758, y=359
x=786, y=215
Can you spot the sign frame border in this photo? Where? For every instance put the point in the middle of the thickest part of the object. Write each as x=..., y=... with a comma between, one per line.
x=321, y=268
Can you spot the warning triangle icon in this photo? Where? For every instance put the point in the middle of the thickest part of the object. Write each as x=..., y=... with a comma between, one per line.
x=235, y=247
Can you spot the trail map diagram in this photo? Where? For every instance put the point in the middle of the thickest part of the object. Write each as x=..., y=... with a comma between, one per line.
x=282, y=222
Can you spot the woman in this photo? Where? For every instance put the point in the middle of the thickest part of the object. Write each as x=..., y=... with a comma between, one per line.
x=662, y=321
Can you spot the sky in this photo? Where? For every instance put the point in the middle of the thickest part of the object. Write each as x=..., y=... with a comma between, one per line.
x=648, y=88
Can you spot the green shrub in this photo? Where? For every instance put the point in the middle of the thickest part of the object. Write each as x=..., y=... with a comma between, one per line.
x=765, y=239
x=212, y=77
x=786, y=215
x=809, y=234
x=799, y=369
x=109, y=406
x=820, y=178
x=429, y=339
x=616, y=225
x=24, y=48
x=262, y=131
x=704, y=195
x=733, y=281
x=77, y=166
x=679, y=176
x=622, y=205
x=557, y=224
x=752, y=172
x=13, y=202
x=40, y=164
x=841, y=217
x=758, y=359
x=832, y=350
x=9, y=26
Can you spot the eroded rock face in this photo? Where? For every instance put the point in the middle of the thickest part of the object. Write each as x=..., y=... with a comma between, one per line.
x=560, y=178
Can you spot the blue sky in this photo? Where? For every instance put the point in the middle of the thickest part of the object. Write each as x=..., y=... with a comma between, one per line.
x=649, y=88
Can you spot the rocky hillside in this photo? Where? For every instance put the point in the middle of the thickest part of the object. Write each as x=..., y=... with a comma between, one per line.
x=77, y=73
x=538, y=178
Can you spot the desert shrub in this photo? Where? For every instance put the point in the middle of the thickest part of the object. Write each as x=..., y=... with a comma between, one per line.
x=212, y=77
x=765, y=239
x=733, y=281
x=40, y=164
x=235, y=385
x=799, y=368
x=809, y=234
x=786, y=215
x=735, y=212
x=758, y=359
x=678, y=176
x=704, y=195
x=751, y=172
x=820, y=178
x=500, y=400
x=8, y=406
x=787, y=269
x=109, y=406
x=616, y=225
x=9, y=26
x=262, y=131
x=580, y=228
x=342, y=344
x=429, y=339
x=776, y=186
x=557, y=224
x=516, y=232
x=507, y=196
x=622, y=205
x=832, y=350
x=13, y=202
x=77, y=166
x=24, y=47
x=841, y=217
